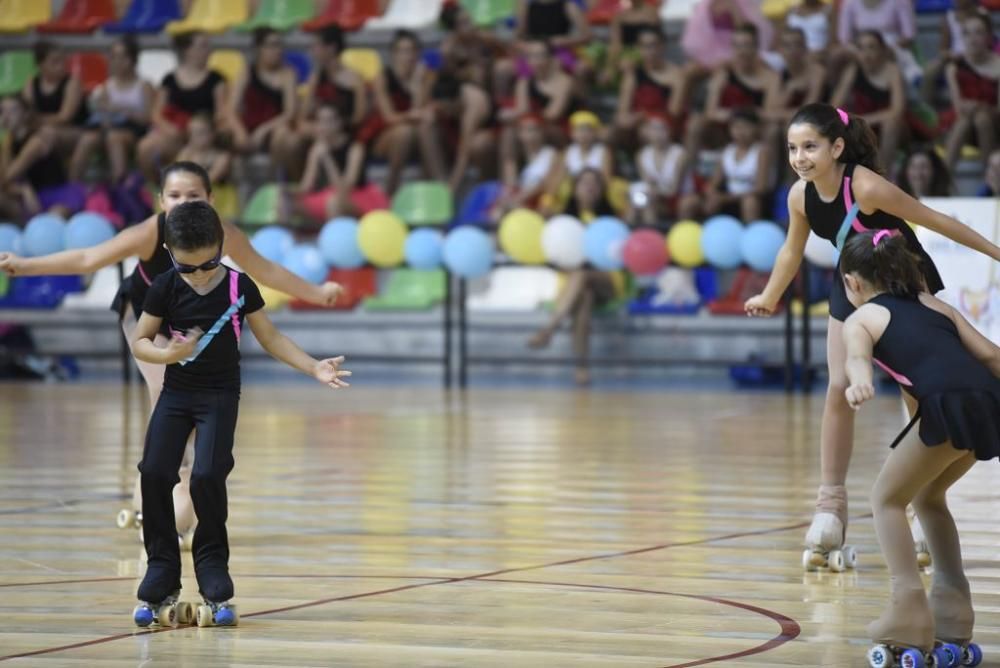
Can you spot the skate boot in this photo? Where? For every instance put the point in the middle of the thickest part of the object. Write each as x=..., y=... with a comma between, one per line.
x=954, y=620
x=168, y=612
x=825, y=538
x=904, y=634
x=216, y=589
x=919, y=541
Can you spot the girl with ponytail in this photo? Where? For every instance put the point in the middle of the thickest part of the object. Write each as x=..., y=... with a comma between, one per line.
x=841, y=193
x=952, y=373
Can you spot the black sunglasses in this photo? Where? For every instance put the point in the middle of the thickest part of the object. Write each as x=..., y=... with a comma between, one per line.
x=191, y=268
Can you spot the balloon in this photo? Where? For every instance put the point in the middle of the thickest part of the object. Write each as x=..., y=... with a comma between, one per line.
x=87, y=229
x=10, y=238
x=603, y=241
x=468, y=252
x=521, y=236
x=562, y=241
x=306, y=262
x=423, y=248
x=684, y=244
x=338, y=242
x=645, y=252
x=821, y=252
x=273, y=242
x=45, y=234
x=273, y=300
x=720, y=242
x=382, y=238
x=760, y=244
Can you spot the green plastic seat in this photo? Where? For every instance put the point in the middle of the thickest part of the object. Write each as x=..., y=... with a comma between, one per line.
x=16, y=67
x=409, y=290
x=423, y=203
x=4, y=284
x=280, y=14
x=269, y=206
x=485, y=13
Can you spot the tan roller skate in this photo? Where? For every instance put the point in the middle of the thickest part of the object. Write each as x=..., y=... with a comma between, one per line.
x=825, y=538
x=904, y=634
x=954, y=620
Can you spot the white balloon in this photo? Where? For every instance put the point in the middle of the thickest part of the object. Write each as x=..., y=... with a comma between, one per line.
x=821, y=252
x=562, y=242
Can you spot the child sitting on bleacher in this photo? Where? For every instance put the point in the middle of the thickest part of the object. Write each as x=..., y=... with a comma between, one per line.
x=660, y=164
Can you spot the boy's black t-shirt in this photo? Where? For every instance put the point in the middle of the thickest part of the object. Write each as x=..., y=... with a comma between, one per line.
x=217, y=367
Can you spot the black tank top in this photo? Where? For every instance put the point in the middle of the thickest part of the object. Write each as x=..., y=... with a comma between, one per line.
x=147, y=270
x=340, y=155
x=399, y=95
x=866, y=97
x=547, y=19
x=51, y=103
x=825, y=219
x=200, y=99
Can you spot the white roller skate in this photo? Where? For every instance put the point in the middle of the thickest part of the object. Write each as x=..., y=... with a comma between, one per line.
x=168, y=612
x=129, y=519
x=825, y=538
x=919, y=541
x=211, y=613
x=887, y=656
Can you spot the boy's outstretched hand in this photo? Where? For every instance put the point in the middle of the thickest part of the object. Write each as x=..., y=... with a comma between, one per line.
x=328, y=371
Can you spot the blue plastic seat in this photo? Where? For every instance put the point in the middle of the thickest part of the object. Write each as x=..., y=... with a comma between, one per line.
x=148, y=16
x=475, y=208
x=301, y=63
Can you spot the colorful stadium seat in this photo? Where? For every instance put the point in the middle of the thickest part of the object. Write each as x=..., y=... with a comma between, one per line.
x=16, y=67
x=366, y=62
x=407, y=14
x=485, y=13
x=348, y=14
x=80, y=16
x=301, y=63
x=91, y=67
x=230, y=63
x=280, y=15
x=603, y=11
x=423, y=203
x=146, y=16
x=23, y=15
x=210, y=16
x=409, y=290
x=358, y=284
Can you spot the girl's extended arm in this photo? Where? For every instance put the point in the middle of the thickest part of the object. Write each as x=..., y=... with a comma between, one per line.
x=858, y=365
x=981, y=347
x=789, y=257
x=284, y=349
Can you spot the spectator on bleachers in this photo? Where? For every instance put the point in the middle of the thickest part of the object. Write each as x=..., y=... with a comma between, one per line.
x=743, y=178
x=478, y=53
x=924, y=174
x=56, y=99
x=121, y=107
x=652, y=86
x=585, y=289
x=974, y=87
x=625, y=33
x=335, y=181
x=32, y=175
x=951, y=44
x=264, y=102
x=585, y=151
x=561, y=23
x=744, y=82
x=991, y=178
x=190, y=89
x=709, y=31
x=203, y=149
x=894, y=20
x=814, y=18
x=527, y=176
x=333, y=83
x=873, y=88
x=660, y=164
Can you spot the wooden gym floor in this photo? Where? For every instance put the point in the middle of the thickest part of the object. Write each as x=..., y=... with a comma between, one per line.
x=412, y=527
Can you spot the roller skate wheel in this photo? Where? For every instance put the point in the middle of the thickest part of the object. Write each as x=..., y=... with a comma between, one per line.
x=880, y=656
x=836, y=561
x=972, y=655
x=185, y=613
x=807, y=563
x=204, y=615
x=225, y=616
x=125, y=519
x=951, y=654
x=850, y=556
x=142, y=615
x=912, y=658
x=167, y=615
x=923, y=559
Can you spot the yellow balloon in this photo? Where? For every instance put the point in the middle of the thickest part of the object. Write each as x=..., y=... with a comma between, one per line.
x=382, y=238
x=273, y=300
x=521, y=236
x=684, y=244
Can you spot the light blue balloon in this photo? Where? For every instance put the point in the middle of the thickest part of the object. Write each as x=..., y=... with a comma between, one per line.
x=423, y=248
x=338, y=242
x=10, y=238
x=720, y=242
x=761, y=243
x=306, y=262
x=603, y=241
x=273, y=242
x=87, y=229
x=45, y=234
x=468, y=252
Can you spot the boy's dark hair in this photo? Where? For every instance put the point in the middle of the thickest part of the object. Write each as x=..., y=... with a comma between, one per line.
x=43, y=49
x=192, y=226
x=190, y=168
x=888, y=265
x=860, y=144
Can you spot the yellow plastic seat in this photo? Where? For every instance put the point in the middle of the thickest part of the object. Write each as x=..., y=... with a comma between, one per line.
x=23, y=15
x=229, y=63
x=210, y=16
x=366, y=62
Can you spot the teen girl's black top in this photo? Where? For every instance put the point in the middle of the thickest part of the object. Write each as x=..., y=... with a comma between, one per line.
x=132, y=291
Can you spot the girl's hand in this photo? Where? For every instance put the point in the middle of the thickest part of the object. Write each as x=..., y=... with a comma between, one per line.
x=330, y=292
x=756, y=307
x=9, y=263
x=858, y=394
x=328, y=371
x=182, y=346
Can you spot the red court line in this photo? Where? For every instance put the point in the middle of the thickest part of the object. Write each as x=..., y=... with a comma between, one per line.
x=311, y=604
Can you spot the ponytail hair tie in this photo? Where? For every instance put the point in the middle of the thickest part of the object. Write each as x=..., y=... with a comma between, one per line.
x=843, y=116
x=881, y=234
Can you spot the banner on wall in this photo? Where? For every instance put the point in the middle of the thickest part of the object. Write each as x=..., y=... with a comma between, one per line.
x=971, y=279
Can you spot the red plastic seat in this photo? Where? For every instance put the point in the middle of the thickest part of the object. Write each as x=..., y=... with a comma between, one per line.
x=81, y=16
x=327, y=17
x=348, y=14
x=358, y=285
x=603, y=11
x=91, y=67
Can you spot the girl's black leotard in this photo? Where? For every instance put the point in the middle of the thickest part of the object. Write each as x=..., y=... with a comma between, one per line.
x=132, y=291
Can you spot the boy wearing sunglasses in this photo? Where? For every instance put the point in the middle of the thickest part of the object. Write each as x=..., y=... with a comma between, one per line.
x=203, y=304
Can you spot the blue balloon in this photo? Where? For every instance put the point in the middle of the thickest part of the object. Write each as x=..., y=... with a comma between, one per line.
x=87, y=229
x=273, y=243
x=468, y=252
x=338, y=242
x=306, y=262
x=45, y=234
x=10, y=238
x=761, y=243
x=603, y=241
x=423, y=248
x=720, y=242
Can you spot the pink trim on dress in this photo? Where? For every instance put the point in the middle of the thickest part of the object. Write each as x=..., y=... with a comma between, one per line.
x=234, y=296
x=898, y=377
x=849, y=202
x=142, y=272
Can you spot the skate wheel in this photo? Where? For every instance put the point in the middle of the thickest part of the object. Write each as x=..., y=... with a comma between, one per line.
x=204, y=615
x=953, y=654
x=807, y=564
x=167, y=615
x=185, y=613
x=142, y=615
x=972, y=656
x=923, y=559
x=942, y=657
x=225, y=616
x=125, y=519
x=836, y=561
x=850, y=556
x=880, y=656
x=912, y=658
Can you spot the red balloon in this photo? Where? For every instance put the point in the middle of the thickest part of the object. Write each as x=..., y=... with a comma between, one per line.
x=645, y=252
